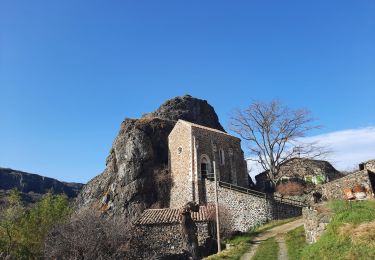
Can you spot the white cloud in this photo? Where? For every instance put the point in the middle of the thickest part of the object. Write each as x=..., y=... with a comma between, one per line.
x=349, y=147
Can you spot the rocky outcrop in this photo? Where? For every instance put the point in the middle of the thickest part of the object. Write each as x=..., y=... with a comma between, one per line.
x=32, y=186
x=136, y=174
x=189, y=109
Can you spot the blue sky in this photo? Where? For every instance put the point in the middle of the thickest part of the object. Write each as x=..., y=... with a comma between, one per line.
x=71, y=71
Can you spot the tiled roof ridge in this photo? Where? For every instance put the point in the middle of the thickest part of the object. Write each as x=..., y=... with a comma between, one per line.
x=172, y=215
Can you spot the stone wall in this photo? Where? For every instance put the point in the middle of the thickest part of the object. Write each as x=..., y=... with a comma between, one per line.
x=370, y=165
x=300, y=169
x=283, y=210
x=335, y=189
x=190, y=144
x=180, y=163
x=240, y=211
x=158, y=240
x=316, y=220
x=232, y=168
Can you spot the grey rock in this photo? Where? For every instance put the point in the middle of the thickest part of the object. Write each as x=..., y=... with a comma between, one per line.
x=139, y=153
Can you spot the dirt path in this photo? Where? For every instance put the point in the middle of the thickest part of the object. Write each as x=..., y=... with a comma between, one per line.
x=283, y=255
x=283, y=250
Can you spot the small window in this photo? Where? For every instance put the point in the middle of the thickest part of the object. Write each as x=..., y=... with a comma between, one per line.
x=179, y=150
x=222, y=158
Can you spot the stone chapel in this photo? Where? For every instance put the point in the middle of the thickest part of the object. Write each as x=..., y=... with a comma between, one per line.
x=193, y=149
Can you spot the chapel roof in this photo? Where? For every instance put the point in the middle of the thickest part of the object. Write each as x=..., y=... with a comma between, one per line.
x=206, y=128
x=171, y=216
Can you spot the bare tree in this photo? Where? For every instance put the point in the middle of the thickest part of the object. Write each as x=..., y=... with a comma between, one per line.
x=88, y=236
x=274, y=133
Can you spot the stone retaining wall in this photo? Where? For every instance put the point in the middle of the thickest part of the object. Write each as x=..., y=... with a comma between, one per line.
x=282, y=210
x=316, y=220
x=335, y=189
x=240, y=211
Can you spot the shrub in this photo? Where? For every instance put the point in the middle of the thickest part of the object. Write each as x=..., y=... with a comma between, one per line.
x=29, y=227
x=163, y=184
x=290, y=188
x=88, y=236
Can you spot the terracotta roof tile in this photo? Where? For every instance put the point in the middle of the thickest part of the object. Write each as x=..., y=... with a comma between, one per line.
x=170, y=216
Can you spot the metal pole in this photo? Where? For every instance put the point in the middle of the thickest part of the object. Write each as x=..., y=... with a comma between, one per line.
x=217, y=211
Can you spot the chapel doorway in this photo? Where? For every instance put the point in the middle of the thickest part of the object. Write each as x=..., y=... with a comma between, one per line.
x=204, y=169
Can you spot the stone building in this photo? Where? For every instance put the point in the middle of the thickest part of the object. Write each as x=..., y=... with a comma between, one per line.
x=303, y=170
x=159, y=233
x=193, y=149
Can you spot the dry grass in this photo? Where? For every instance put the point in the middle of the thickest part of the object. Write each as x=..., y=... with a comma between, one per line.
x=348, y=235
x=359, y=234
x=324, y=210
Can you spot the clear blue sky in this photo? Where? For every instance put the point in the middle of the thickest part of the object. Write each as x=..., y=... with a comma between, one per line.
x=71, y=71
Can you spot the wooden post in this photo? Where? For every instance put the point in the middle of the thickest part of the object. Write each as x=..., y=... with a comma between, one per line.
x=217, y=211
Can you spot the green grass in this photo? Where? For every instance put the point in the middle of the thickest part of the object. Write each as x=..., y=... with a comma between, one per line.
x=242, y=243
x=295, y=242
x=268, y=250
x=338, y=244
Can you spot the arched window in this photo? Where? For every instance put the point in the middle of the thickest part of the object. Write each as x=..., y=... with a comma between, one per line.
x=222, y=157
x=204, y=166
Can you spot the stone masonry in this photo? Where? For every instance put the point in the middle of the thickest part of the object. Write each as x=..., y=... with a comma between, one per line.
x=364, y=177
x=159, y=233
x=193, y=149
x=316, y=220
x=166, y=239
x=239, y=211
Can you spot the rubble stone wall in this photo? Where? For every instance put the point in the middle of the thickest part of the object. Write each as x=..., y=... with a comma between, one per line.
x=240, y=211
x=166, y=239
x=370, y=165
x=335, y=189
x=316, y=220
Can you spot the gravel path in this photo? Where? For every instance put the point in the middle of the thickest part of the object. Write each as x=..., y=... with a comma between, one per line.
x=283, y=255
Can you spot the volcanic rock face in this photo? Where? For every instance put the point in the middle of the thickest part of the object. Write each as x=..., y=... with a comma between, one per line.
x=189, y=109
x=135, y=177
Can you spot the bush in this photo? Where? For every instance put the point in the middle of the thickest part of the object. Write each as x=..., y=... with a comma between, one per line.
x=22, y=231
x=162, y=183
x=88, y=236
x=290, y=188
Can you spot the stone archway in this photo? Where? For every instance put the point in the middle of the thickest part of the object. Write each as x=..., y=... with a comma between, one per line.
x=204, y=170
x=204, y=166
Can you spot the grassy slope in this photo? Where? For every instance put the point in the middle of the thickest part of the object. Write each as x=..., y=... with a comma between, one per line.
x=346, y=236
x=268, y=250
x=241, y=243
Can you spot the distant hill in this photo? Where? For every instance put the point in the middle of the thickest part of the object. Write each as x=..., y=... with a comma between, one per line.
x=33, y=186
